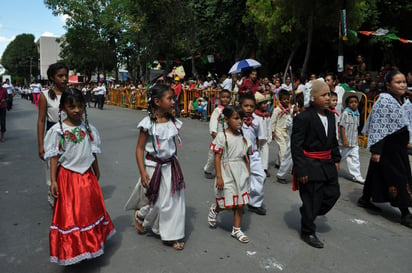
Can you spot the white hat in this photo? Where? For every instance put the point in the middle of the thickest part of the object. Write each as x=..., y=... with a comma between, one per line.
x=259, y=97
x=351, y=93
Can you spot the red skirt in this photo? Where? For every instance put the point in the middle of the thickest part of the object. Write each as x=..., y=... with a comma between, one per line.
x=80, y=224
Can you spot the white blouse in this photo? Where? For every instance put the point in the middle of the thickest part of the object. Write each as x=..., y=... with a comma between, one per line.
x=52, y=107
x=162, y=136
x=76, y=153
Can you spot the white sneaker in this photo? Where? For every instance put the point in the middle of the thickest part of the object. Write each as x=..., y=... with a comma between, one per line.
x=359, y=180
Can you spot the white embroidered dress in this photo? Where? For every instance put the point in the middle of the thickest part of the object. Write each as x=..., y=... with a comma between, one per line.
x=234, y=170
x=167, y=216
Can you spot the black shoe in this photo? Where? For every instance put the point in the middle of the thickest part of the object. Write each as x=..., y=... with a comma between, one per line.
x=368, y=205
x=281, y=180
x=407, y=220
x=311, y=240
x=257, y=210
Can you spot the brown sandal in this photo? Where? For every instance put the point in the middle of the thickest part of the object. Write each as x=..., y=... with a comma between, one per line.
x=176, y=244
x=138, y=223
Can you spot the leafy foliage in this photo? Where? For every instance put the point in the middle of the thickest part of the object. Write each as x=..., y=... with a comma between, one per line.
x=20, y=56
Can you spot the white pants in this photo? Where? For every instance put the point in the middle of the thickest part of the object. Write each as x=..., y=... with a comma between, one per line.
x=286, y=165
x=210, y=164
x=351, y=154
x=257, y=180
x=264, y=153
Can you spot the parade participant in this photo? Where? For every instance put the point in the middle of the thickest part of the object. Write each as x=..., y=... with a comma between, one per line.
x=10, y=94
x=254, y=132
x=216, y=126
x=262, y=116
x=158, y=198
x=332, y=107
x=232, y=151
x=48, y=114
x=389, y=174
x=331, y=80
x=287, y=162
x=348, y=140
x=278, y=124
x=36, y=91
x=78, y=229
x=316, y=157
x=3, y=112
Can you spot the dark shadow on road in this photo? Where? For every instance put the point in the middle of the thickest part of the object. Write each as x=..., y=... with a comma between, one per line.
x=390, y=213
x=292, y=218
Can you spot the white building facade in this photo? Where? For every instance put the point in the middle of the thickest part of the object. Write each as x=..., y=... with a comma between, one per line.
x=49, y=51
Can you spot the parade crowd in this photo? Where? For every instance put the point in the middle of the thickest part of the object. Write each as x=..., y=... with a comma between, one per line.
x=313, y=122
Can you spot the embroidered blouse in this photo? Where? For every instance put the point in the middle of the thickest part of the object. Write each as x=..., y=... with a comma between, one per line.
x=77, y=149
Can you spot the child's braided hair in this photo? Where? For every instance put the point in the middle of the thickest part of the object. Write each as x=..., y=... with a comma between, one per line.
x=157, y=92
x=51, y=72
x=71, y=95
x=227, y=113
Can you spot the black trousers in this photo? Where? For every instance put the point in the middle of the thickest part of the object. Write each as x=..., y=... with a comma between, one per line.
x=3, y=112
x=318, y=197
x=9, y=101
x=100, y=100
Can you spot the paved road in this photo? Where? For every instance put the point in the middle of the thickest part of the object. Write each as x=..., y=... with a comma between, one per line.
x=355, y=240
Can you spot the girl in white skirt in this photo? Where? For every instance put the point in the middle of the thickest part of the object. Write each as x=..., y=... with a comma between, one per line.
x=232, y=151
x=158, y=198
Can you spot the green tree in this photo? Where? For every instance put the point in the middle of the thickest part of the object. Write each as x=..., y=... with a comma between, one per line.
x=290, y=25
x=20, y=57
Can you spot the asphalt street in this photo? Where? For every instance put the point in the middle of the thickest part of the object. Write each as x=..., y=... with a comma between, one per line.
x=355, y=239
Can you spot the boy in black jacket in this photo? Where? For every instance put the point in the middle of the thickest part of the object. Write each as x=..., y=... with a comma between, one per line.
x=315, y=154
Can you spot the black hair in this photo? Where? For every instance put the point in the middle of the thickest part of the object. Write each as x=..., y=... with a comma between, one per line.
x=71, y=96
x=157, y=92
x=51, y=72
x=224, y=91
x=351, y=96
x=333, y=94
x=349, y=78
x=227, y=113
x=300, y=99
x=283, y=93
x=247, y=96
x=333, y=76
x=389, y=77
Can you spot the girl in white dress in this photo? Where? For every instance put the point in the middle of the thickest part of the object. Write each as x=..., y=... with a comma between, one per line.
x=49, y=112
x=232, y=151
x=80, y=225
x=158, y=198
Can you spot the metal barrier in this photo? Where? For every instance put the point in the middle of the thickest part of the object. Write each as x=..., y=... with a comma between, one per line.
x=137, y=99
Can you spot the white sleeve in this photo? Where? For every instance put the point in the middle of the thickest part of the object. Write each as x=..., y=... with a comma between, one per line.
x=96, y=142
x=52, y=141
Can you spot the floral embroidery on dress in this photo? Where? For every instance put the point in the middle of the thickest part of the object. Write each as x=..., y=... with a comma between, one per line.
x=393, y=191
x=76, y=135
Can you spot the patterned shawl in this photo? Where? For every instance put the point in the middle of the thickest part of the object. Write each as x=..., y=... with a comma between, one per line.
x=387, y=117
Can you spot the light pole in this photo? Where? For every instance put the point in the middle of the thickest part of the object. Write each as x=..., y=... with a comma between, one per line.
x=31, y=75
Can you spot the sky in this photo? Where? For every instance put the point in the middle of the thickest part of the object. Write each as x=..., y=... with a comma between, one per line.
x=27, y=16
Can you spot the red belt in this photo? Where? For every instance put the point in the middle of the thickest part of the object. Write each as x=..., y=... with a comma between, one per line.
x=322, y=155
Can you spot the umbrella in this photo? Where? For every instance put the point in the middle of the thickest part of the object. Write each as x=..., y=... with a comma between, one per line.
x=243, y=65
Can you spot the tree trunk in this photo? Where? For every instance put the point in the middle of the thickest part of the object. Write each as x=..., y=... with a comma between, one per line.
x=194, y=70
x=309, y=40
x=292, y=53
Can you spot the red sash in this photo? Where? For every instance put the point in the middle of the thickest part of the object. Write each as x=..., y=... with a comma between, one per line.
x=322, y=155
